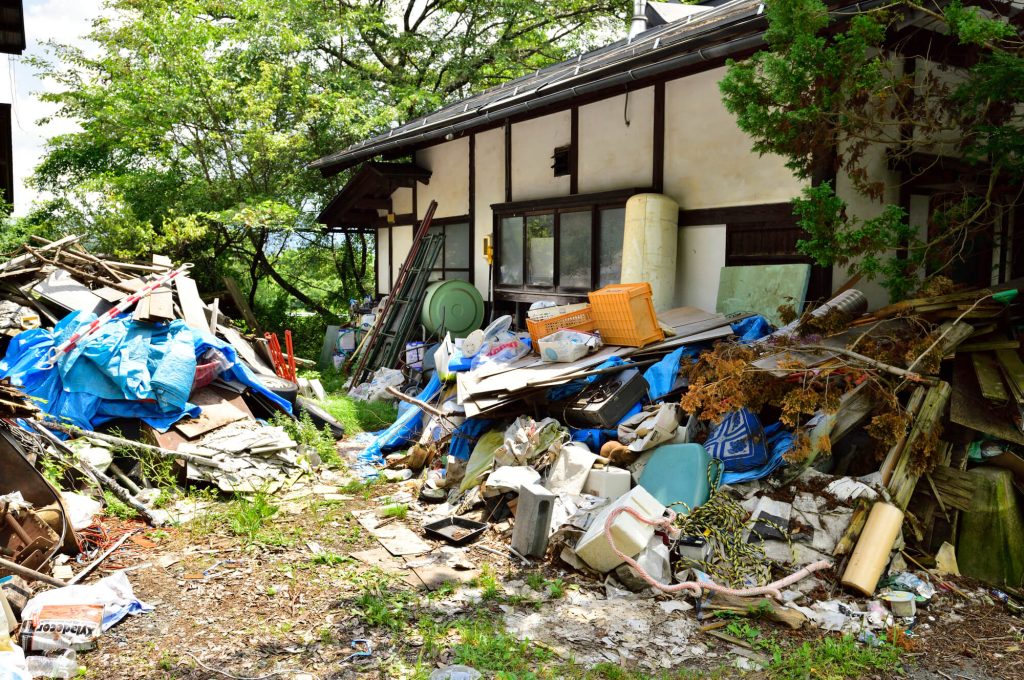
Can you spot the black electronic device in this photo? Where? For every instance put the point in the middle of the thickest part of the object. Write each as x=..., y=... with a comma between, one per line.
x=604, y=402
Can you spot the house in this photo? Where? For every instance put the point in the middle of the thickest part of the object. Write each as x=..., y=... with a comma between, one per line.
x=12, y=41
x=542, y=167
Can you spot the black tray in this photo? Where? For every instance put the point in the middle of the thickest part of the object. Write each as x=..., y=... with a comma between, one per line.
x=456, y=530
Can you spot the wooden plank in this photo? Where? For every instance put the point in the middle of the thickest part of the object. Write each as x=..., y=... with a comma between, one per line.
x=986, y=370
x=192, y=307
x=245, y=351
x=64, y=290
x=214, y=315
x=219, y=408
x=956, y=487
x=969, y=409
x=241, y=304
x=161, y=301
x=327, y=351
x=1013, y=372
x=28, y=258
x=903, y=480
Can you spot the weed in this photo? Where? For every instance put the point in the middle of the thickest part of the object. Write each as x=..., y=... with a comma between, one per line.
x=361, y=416
x=325, y=635
x=485, y=646
x=351, y=535
x=487, y=581
x=830, y=658
x=329, y=559
x=271, y=591
x=158, y=535
x=382, y=602
x=166, y=661
x=305, y=433
x=115, y=507
x=247, y=515
x=535, y=580
x=744, y=631
x=556, y=588
x=399, y=511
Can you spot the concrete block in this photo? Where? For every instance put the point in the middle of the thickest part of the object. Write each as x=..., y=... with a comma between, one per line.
x=533, y=520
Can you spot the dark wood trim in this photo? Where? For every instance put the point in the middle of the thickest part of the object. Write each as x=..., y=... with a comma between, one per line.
x=574, y=150
x=765, y=212
x=559, y=202
x=508, y=161
x=516, y=295
x=658, y=143
x=376, y=263
x=917, y=41
x=471, y=211
x=906, y=137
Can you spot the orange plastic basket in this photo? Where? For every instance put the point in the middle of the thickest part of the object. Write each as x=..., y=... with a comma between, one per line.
x=580, y=320
x=624, y=314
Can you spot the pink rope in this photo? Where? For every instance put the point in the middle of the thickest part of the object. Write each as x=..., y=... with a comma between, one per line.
x=695, y=587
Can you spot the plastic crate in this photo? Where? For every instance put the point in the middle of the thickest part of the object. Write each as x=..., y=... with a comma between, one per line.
x=624, y=314
x=579, y=320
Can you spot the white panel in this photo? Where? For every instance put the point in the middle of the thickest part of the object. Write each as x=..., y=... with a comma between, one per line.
x=612, y=154
x=383, y=258
x=708, y=159
x=449, y=183
x=700, y=258
x=490, y=189
x=533, y=145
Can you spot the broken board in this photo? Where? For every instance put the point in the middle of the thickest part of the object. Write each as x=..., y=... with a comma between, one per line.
x=192, y=307
x=62, y=289
x=219, y=408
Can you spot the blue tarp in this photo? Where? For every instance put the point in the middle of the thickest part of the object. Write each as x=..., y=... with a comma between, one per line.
x=752, y=328
x=127, y=369
x=466, y=435
x=574, y=387
x=747, y=450
x=402, y=430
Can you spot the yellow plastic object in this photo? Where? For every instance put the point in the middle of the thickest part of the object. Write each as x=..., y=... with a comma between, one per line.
x=872, y=552
x=624, y=313
x=579, y=320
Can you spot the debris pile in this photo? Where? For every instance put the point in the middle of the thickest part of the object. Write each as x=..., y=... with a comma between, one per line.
x=847, y=453
x=118, y=380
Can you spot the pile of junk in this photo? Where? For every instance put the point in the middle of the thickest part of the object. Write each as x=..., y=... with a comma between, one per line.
x=804, y=459
x=118, y=379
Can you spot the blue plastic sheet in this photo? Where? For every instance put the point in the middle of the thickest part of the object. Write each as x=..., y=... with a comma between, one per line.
x=127, y=369
x=466, y=435
x=752, y=328
x=402, y=430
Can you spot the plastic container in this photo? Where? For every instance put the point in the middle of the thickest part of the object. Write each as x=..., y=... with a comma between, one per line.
x=578, y=320
x=902, y=603
x=624, y=314
x=677, y=473
x=456, y=306
x=630, y=534
x=611, y=482
x=566, y=346
x=649, y=244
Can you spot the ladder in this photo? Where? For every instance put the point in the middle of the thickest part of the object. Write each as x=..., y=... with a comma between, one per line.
x=397, y=320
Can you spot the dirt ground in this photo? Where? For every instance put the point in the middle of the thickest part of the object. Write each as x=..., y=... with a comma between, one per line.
x=284, y=597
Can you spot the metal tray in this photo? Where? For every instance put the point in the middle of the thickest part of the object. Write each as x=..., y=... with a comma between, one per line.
x=456, y=530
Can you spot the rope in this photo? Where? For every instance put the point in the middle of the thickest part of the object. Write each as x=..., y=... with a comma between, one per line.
x=695, y=587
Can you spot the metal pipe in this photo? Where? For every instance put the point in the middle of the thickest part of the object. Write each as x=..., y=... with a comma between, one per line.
x=30, y=574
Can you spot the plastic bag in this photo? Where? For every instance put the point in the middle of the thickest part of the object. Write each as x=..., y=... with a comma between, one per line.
x=499, y=350
x=376, y=388
x=73, y=617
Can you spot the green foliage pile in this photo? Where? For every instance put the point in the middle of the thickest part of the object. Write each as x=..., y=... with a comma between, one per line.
x=830, y=97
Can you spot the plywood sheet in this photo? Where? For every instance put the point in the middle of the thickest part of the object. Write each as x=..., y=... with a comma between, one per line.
x=218, y=409
x=762, y=289
x=64, y=290
x=245, y=350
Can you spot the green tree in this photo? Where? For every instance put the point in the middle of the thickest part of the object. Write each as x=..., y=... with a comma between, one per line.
x=198, y=119
x=830, y=92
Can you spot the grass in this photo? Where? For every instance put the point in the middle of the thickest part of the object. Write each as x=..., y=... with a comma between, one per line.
x=360, y=416
x=305, y=433
x=398, y=511
x=115, y=507
x=485, y=646
x=247, y=515
x=830, y=658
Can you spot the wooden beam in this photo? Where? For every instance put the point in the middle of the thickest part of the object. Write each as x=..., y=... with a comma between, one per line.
x=765, y=212
x=574, y=150
x=658, y=144
x=241, y=304
x=508, y=161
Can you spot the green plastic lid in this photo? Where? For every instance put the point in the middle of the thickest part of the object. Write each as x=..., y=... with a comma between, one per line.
x=456, y=305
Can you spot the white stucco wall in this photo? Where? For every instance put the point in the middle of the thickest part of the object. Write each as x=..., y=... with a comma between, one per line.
x=402, y=237
x=708, y=159
x=533, y=144
x=449, y=181
x=700, y=257
x=612, y=154
x=490, y=189
x=401, y=201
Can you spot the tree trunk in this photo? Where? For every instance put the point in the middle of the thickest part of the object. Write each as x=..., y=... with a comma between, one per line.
x=350, y=257
x=312, y=304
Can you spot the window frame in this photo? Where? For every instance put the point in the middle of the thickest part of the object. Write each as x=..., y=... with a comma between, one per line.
x=443, y=223
x=592, y=203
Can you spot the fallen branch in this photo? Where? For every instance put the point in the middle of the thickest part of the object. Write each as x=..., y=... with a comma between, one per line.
x=874, y=363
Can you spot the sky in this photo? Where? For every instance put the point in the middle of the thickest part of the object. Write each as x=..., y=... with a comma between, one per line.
x=64, y=21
